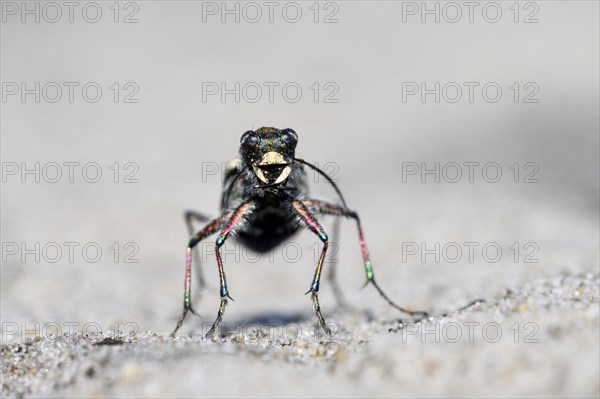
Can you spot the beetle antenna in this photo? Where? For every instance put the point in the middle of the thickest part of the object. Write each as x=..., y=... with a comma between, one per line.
x=228, y=192
x=326, y=176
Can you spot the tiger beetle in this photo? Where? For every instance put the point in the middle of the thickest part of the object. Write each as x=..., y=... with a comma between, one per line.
x=265, y=200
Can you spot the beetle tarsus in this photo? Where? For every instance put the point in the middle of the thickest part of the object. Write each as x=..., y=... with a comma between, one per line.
x=218, y=320
x=317, y=308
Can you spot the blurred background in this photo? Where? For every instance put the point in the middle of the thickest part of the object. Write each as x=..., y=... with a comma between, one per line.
x=378, y=92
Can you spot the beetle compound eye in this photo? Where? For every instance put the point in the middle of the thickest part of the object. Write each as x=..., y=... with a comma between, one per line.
x=249, y=140
x=290, y=138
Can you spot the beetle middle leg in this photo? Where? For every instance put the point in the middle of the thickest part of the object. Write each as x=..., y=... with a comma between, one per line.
x=342, y=303
x=338, y=210
x=189, y=217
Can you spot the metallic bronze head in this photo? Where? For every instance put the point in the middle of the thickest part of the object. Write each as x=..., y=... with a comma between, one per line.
x=269, y=152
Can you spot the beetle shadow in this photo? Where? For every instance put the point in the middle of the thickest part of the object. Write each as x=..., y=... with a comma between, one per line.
x=254, y=322
x=262, y=322
x=268, y=319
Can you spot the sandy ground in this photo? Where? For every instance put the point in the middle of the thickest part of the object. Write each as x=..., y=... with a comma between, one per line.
x=528, y=243
x=527, y=337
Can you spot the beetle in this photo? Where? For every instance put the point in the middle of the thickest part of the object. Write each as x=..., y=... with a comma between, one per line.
x=266, y=200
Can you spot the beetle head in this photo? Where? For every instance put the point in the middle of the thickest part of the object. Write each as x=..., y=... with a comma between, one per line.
x=270, y=153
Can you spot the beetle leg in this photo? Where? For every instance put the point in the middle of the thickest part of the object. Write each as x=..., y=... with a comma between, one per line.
x=209, y=229
x=338, y=210
x=332, y=269
x=235, y=219
x=316, y=228
x=190, y=216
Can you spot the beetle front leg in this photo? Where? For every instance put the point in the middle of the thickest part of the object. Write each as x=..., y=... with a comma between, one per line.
x=211, y=228
x=316, y=228
x=236, y=218
x=334, y=238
